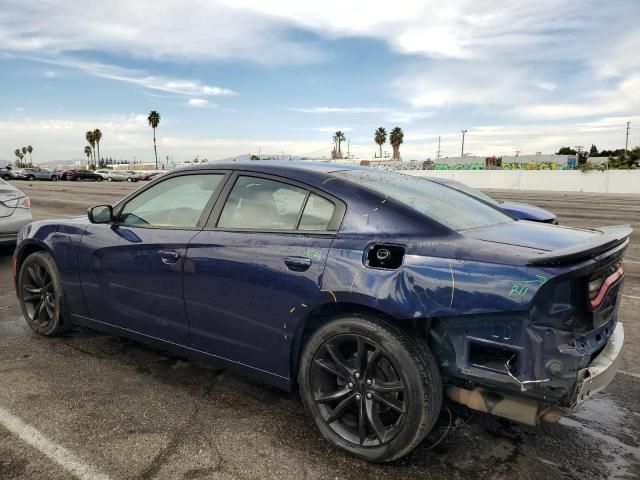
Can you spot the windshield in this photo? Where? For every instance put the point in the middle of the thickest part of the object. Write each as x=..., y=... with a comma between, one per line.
x=445, y=205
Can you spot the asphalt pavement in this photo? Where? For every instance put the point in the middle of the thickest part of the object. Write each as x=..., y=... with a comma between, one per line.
x=94, y=406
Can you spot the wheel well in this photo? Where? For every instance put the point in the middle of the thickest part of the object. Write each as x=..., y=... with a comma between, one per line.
x=25, y=252
x=328, y=312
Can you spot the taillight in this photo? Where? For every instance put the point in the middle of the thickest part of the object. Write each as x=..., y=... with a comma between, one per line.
x=598, y=287
x=22, y=202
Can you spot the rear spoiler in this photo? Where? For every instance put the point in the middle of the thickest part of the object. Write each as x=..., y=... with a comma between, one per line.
x=611, y=237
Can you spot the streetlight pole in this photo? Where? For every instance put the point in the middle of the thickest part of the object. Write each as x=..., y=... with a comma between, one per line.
x=462, y=151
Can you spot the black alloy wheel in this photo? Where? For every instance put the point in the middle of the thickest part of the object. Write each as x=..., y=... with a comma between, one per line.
x=358, y=391
x=372, y=388
x=40, y=295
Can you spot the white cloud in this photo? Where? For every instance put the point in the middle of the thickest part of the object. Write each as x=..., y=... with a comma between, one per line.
x=163, y=29
x=329, y=129
x=197, y=102
x=177, y=86
x=50, y=74
x=548, y=86
x=338, y=109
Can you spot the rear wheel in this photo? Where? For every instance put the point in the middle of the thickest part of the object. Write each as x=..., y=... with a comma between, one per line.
x=40, y=295
x=31, y=178
x=372, y=389
x=98, y=179
x=129, y=179
x=109, y=179
x=54, y=178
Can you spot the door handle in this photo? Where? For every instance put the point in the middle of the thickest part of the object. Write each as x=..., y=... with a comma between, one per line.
x=169, y=257
x=297, y=264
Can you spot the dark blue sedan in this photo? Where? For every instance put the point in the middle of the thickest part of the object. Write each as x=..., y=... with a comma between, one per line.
x=373, y=293
x=521, y=211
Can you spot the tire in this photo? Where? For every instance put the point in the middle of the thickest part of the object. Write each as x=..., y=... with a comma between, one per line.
x=54, y=178
x=31, y=178
x=129, y=179
x=99, y=179
x=109, y=179
x=6, y=177
x=41, y=296
x=396, y=395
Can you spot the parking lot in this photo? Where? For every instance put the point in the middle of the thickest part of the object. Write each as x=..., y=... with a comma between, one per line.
x=110, y=408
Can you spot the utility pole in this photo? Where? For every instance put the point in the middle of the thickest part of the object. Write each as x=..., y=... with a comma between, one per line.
x=626, y=142
x=438, y=153
x=462, y=151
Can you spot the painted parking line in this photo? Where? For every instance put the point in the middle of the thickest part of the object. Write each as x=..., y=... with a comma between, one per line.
x=631, y=374
x=635, y=297
x=60, y=455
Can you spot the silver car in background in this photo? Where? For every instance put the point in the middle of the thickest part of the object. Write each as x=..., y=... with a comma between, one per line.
x=15, y=212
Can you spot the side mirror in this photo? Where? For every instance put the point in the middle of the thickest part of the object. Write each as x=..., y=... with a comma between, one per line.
x=100, y=214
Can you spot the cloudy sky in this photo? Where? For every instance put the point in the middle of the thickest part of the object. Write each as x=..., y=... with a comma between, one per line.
x=232, y=77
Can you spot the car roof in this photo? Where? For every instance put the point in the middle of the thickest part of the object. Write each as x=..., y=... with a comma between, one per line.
x=268, y=166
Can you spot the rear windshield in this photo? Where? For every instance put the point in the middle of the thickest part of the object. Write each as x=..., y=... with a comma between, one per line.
x=471, y=191
x=445, y=205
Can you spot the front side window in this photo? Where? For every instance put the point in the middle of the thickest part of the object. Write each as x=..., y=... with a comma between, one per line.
x=261, y=204
x=177, y=202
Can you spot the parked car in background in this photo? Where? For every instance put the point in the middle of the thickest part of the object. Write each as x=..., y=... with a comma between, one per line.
x=5, y=173
x=133, y=176
x=521, y=211
x=149, y=175
x=34, y=173
x=374, y=293
x=15, y=212
x=115, y=175
x=76, y=175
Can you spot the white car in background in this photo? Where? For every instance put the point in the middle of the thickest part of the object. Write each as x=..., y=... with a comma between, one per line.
x=15, y=212
x=116, y=175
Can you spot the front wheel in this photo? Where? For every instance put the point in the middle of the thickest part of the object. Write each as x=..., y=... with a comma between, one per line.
x=31, y=178
x=129, y=179
x=54, y=178
x=40, y=295
x=372, y=389
x=109, y=179
x=99, y=179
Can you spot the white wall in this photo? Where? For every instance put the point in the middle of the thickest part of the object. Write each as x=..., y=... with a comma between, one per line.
x=611, y=181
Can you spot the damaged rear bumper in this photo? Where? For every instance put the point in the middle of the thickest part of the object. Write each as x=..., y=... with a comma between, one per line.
x=590, y=380
x=597, y=376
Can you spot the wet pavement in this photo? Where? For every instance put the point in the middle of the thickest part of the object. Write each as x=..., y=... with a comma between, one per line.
x=118, y=409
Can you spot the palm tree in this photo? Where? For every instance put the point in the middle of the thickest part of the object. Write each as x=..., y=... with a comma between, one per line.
x=154, y=120
x=380, y=138
x=87, y=152
x=395, y=139
x=24, y=151
x=97, y=135
x=338, y=138
x=30, y=149
x=91, y=139
x=17, y=154
x=21, y=156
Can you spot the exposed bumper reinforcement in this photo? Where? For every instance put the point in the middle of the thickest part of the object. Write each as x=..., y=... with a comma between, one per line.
x=600, y=373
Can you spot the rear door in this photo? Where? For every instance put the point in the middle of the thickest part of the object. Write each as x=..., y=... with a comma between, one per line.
x=255, y=270
x=131, y=270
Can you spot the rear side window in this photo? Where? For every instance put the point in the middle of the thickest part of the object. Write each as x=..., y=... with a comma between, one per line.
x=317, y=214
x=261, y=204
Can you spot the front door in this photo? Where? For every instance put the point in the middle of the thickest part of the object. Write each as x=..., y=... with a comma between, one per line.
x=131, y=270
x=254, y=274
